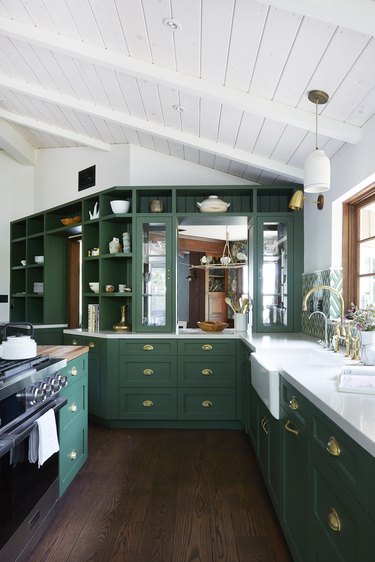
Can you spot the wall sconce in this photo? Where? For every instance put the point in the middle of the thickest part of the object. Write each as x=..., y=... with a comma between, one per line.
x=317, y=168
x=296, y=202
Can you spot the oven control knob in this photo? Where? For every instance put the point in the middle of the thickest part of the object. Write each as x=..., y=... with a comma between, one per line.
x=46, y=387
x=54, y=383
x=63, y=380
x=35, y=394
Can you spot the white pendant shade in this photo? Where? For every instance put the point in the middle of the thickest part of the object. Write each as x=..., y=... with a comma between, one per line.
x=317, y=172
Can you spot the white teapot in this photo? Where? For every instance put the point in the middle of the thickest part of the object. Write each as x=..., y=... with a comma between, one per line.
x=18, y=347
x=213, y=205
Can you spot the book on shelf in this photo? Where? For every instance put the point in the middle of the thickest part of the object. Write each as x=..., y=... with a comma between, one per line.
x=93, y=317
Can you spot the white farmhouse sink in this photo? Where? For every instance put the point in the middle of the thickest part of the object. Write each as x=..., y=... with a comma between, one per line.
x=265, y=366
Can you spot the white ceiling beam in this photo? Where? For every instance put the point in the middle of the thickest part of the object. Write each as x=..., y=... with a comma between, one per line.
x=53, y=130
x=358, y=15
x=196, y=86
x=15, y=145
x=138, y=124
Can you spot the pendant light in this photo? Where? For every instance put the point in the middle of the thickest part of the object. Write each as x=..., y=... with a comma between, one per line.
x=317, y=169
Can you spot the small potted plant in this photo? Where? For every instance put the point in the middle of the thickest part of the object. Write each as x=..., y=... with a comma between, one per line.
x=363, y=319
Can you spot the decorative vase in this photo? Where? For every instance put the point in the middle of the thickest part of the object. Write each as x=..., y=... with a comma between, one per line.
x=240, y=322
x=126, y=243
x=114, y=246
x=122, y=326
x=367, y=347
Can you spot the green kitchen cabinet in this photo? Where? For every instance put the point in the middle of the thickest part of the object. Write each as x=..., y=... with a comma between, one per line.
x=295, y=487
x=147, y=379
x=102, y=373
x=73, y=421
x=155, y=274
x=269, y=451
x=278, y=267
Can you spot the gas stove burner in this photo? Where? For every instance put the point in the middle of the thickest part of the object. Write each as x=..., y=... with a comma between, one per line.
x=10, y=368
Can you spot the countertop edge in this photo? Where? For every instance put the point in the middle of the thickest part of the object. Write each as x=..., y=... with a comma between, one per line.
x=67, y=352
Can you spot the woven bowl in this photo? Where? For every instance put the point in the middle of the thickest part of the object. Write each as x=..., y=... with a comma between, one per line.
x=70, y=220
x=207, y=326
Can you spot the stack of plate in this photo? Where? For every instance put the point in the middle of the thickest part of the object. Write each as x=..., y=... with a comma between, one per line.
x=38, y=287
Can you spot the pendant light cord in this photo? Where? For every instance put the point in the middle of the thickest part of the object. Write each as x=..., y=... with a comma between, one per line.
x=316, y=124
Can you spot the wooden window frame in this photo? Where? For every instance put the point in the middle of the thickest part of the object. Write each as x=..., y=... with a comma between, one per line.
x=351, y=241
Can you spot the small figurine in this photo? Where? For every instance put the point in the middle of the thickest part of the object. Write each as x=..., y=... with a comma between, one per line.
x=95, y=214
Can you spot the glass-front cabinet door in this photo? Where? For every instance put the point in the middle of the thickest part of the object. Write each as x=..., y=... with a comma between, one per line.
x=274, y=279
x=155, y=309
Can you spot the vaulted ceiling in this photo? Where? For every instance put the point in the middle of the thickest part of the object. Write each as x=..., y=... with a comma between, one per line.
x=227, y=88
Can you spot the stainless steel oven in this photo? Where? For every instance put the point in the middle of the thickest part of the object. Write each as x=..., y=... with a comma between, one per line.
x=28, y=389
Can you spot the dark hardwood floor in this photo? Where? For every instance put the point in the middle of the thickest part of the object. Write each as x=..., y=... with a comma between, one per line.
x=165, y=496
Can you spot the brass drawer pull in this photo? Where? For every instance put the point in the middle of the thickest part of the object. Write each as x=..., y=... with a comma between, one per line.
x=207, y=404
x=147, y=403
x=74, y=342
x=207, y=347
x=73, y=407
x=148, y=372
x=334, y=522
x=91, y=345
x=293, y=403
x=207, y=372
x=148, y=347
x=74, y=371
x=264, y=424
x=333, y=447
x=290, y=429
x=73, y=455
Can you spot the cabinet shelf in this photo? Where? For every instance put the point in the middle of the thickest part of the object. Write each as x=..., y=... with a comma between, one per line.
x=118, y=255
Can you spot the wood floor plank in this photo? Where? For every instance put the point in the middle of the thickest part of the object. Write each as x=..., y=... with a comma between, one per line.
x=165, y=496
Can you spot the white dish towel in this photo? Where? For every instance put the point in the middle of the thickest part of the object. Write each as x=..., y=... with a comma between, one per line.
x=43, y=440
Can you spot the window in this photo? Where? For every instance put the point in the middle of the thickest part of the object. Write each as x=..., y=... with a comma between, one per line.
x=359, y=248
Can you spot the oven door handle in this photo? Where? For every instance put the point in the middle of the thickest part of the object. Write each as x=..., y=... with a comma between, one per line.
x=10, y=440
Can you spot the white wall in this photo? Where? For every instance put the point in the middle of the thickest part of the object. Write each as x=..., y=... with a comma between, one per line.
x=16, y=202
x=56, y=173
x=352, y=169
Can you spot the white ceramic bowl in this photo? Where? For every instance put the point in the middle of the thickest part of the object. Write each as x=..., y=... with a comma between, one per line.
x=120, y=206
x=94, y=286
x=39, y=259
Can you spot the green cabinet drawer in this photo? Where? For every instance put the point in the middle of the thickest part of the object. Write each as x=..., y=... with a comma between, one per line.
x=295, y=404
x=207, y=346
x=209, y=404
x=141, y=372
x=75, y=369
x=148, y=347
x=346, y=458
x=341, y=528
x=73, y=451
x=76, y=395
x=207, y=372
x=70, y=339
x=150, y=404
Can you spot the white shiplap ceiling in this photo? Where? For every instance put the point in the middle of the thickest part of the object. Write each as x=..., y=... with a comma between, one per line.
x=103, y=72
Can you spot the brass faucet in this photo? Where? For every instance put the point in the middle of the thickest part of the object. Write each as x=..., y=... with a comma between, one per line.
x=318, y=288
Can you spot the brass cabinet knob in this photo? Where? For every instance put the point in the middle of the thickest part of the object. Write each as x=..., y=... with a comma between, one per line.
x=73, y=407
x=290, y=429
x=264, y=423
x=207, y=347
x=74, y=342
x=333, y=447
x=207, y=404
x=148, y=347
x=91, y=345
x=74, y=371
x=148, y=372
x=73, y=455
x=207, y=372
x=334, y=522
x=147, y=403
x=293, y=403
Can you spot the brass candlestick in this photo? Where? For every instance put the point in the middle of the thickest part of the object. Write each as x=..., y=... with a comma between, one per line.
x=355, y=355
x=347, y=341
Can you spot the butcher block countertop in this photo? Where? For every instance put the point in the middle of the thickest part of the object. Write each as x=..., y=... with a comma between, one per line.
x=67, y=352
